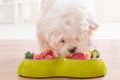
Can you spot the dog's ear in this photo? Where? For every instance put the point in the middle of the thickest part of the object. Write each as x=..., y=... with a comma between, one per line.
x=93, y=25
x=46, y=5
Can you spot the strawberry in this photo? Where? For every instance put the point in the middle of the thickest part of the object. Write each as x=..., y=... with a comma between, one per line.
x=48, y=52
x=48, y=57
x=69, y=56
x=36, y=56
x=80, y=56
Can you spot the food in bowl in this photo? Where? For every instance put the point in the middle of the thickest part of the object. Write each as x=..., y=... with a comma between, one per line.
x=49, y=54
x=47, y=64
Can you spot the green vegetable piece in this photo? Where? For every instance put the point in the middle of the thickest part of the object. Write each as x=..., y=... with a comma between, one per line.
x=95, y=54
x=29, y=55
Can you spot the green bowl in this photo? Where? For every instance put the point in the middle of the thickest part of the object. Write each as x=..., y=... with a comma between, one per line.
x=62, y=67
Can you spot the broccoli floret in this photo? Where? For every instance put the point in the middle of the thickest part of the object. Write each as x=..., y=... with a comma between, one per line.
x=29, y=55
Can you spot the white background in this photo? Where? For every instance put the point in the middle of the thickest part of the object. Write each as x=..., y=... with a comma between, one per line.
x=107, y=13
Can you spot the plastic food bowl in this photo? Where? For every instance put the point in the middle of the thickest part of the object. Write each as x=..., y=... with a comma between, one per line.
x=62, y=67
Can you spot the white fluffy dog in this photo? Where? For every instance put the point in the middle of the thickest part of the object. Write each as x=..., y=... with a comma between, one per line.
x=65, y=27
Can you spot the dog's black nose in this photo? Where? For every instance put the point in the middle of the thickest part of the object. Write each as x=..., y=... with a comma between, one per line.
x=72, y=49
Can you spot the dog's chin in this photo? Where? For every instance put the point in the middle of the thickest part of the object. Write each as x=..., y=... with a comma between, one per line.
x=65, y=53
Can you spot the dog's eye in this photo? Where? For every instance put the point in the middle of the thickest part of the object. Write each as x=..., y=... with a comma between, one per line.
x=63, y=41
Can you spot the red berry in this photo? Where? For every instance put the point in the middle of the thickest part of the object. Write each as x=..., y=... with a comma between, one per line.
x=69, y=56
x=36, y=56
x=41, y=56
x=48, y=57
x=48, y=52
x=80, y=56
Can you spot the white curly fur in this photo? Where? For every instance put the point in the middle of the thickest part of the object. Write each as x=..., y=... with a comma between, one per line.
x=64, y=26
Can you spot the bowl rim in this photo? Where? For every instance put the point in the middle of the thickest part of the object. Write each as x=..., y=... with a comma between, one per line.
x=62, y=58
